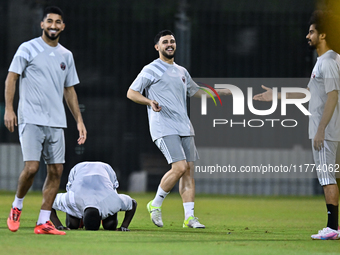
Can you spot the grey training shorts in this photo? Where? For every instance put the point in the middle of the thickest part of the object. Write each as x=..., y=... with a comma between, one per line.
x=325, y=163
x=48, y=141
x=176, y=148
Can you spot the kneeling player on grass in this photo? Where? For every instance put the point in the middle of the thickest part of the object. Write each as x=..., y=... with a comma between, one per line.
x=92, y=197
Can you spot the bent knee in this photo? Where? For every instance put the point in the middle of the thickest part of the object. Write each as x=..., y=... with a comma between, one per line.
x=72, y=225
x=56, y=170
x=31, y=167
x=110, y=223
x=72, y=222
x=181, y=169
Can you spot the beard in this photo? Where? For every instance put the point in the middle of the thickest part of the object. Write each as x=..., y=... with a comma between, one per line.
x=311, y=46
x=167, y=55
x=53, y=37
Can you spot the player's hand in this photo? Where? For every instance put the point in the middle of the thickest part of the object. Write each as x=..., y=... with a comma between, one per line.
x=82, y=133
x=62, y=228
x=318, y=141
x=265, y=96
x=123, y=229
x=155, y=106
x=11, y=120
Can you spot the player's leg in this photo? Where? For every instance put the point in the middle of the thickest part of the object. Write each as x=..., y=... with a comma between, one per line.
x=331, y=192
x=26, y=178
x=171, y=147
x=92, y=218
x=50, y=189
x=54, y=156
x=329, y=183
x=25, y=182
x=51, y=185
x=337, y=173
x=187, y=184
x=187, y=192
x=169, y=180
x=111, y=222
x=325, y=162
x=31, y=138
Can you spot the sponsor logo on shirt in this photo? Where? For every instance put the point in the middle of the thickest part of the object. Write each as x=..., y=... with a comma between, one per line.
x=62, y=66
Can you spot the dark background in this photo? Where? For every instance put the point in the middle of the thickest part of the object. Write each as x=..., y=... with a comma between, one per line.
x=113, y=39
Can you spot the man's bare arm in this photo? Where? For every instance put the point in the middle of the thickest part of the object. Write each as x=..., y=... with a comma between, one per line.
x=128, y=217
x=56, y=222
x=71, y=99
x=10, y=117
x=138, y=98
x=332, y=100
x=268, y=95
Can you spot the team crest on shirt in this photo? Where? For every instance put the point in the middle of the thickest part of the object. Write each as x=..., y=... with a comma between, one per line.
x=62, y=66
x=183, y=79
x=313, y=75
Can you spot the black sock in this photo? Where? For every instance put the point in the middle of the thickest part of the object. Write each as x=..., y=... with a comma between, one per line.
x=333, y=216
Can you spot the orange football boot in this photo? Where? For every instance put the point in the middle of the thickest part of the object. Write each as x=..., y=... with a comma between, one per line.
x=13, y=220
x=47, y=228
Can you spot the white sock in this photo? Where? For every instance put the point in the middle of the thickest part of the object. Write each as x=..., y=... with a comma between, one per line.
x=160, y=195
x=188, y=209
x=43, y=217
x=18, y=202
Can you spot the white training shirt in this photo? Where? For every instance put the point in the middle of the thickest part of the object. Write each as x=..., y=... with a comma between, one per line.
x=44, y=72
x=92, y=184
x=324, y=79
x=169, y=85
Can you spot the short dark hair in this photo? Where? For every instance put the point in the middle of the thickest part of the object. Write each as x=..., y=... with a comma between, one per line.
x=319, y=20
x=53, y=9
x=329, y=23
x=163, y=33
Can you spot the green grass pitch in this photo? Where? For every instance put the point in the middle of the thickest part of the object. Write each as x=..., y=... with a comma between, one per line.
x=234, y=225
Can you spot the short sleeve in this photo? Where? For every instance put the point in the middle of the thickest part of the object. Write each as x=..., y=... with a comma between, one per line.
x=192, y=87
x=20, y=60
x=71, y=177
x=126, y=204
x=143, y=80
x=112, y=175
x=331, y=75
x=72, y=76
x=58, y=202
